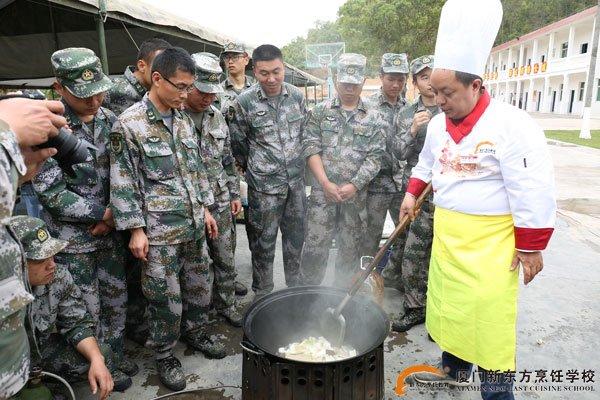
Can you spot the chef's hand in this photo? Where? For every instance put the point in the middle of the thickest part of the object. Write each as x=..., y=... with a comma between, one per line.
x=211, y=225
x=420, y=119
x=347, y=191
x=331, y=192
x=408, y=207
x=532, y=263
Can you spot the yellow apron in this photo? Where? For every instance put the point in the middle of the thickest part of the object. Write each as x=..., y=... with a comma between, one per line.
x=471, y=293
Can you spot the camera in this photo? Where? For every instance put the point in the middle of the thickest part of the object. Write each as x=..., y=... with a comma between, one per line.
x=70, y=150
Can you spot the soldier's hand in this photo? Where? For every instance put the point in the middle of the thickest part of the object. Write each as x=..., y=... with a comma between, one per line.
x=347, y=191
x=532, y=263
x=332, y=192
x=100, y=229
x=34, y=160
x=211, y=225
x=33, y=121
x=420, y=119
x=138, y=244
x=408, y=207
x=107, y=218
x=100, y=378
x=236, y=207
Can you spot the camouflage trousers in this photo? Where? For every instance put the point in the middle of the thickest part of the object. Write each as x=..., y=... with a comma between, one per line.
x=346, y=223
x=63, y=359
x=100, y=275
x=267, y=213
x=378, y=204
x=221, y=251
x=177, y=283
x=417, y=252
x=136, y=302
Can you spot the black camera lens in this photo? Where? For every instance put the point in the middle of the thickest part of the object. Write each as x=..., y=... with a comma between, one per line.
x=70, y=150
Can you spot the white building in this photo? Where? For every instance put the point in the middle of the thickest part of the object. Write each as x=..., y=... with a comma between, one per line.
x=546, y=70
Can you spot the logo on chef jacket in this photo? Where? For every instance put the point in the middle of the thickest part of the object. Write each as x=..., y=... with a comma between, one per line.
x=485, y=148
x=401, y=384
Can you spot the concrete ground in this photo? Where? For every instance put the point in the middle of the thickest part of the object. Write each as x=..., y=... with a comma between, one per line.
x=562, y=122
x=559, y=316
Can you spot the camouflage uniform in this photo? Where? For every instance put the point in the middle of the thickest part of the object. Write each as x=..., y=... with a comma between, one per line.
x=14, y=296
x=74, y=203
x=158, y=182
x=59, y=318
x=266, y=141
x=417, y=250
x=385, y=190
x=350, y=145
x=215, y=149
x=125, y=92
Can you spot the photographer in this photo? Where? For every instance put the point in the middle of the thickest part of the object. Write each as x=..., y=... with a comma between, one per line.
x=24, y=123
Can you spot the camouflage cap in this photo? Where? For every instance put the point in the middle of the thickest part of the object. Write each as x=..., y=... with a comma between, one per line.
x=419, y=64
x=79, y=70
x=394, y=63
x=233, y=47
x=351, y=68
x=34, y=236
x=208, y=73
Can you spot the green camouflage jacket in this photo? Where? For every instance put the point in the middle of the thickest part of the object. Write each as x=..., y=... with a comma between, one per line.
x=266, y=137
x=158, y=180
x=73, y=203
x=126, y=91
x=215, y=148
x=224, y=101
x=351, y=146
x=14, y=297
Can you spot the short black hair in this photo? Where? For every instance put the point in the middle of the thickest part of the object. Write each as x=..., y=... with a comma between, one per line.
x=150, y=46
x=266, y=52
x=466, y=78
x=172, y=60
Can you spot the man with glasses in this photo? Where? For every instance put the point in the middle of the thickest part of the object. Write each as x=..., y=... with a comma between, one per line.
x=235, y=59
x=161, y=194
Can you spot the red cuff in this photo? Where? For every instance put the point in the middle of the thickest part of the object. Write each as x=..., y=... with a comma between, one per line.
x=532, y=238
x=416, y=186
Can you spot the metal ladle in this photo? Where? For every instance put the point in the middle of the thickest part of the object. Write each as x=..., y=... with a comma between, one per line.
x=332, y=322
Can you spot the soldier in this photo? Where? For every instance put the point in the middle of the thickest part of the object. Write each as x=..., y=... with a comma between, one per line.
x=411, y=128
x=127, y=90
x=343, y=143
x=76, y=206
x=385, y=190
x=235, y=58
x=161, y=195
x=31, y=122
x=62, y=331
x=136, y=80
x=215, y=148
x=266, y=132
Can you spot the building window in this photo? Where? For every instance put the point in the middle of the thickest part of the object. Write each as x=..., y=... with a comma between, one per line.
x=529, y=61
x=584, y=47
x=581, y=90
x=564, y=49
x=560, y=92
x=543, y=58
x=514, y=65
x=598, y=91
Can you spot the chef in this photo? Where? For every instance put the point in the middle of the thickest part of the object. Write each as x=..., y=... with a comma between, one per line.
x=494, y=195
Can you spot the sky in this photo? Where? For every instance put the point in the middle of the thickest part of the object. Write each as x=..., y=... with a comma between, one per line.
x=255, y=22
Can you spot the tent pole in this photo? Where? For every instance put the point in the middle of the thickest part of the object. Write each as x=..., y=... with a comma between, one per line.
x=53, y=27
x=101, y=35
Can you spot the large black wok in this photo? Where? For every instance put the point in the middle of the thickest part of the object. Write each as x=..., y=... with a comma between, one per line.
x=291, y=315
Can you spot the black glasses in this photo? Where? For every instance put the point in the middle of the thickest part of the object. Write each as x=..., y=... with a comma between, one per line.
x=180, y=88
x=232, y=57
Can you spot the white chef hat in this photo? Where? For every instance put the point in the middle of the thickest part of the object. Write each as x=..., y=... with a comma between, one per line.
x=466, y=34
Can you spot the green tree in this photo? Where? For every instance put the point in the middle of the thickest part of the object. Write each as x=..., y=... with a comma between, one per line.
x=323, y=32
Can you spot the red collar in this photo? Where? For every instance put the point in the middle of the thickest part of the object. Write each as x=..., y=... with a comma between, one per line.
x=461, y=128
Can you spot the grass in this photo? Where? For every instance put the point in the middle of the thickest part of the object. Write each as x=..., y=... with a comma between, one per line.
x=573, y=137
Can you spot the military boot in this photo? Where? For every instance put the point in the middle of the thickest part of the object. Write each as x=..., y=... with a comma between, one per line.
x=121, y=381
x=128, y=367
x=171, y=374
x=204, y=343
x=240, y=288
x=412, y=317
x=232, y=315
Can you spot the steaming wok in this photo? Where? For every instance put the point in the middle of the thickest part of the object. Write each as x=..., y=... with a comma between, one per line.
x=292, y=314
